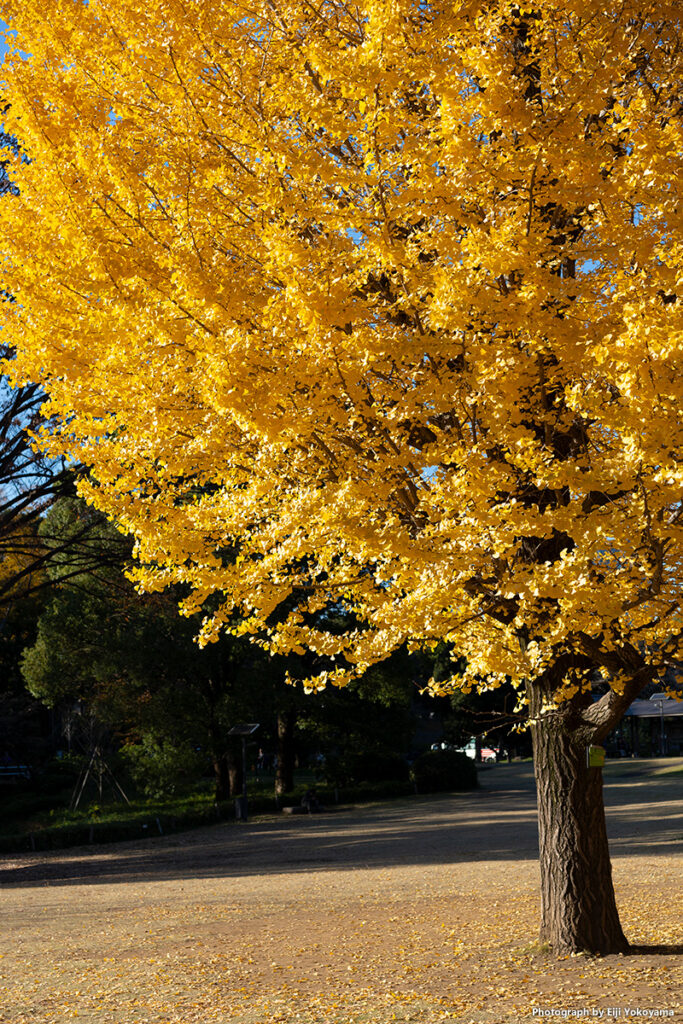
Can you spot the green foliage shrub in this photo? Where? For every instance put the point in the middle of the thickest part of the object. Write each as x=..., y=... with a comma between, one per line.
x=61, y=774
x=437, y=771
x=162, y=767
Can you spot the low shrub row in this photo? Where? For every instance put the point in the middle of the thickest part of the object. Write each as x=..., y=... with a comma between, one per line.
x=54, y=837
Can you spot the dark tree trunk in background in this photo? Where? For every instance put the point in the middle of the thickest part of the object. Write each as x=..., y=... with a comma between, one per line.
x=219, y=758
x=234, y=763
x=578, y=906
x=222, y=777
x=284, y=773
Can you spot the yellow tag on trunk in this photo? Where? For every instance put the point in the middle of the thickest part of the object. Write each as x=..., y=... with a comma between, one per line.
x=596, y=757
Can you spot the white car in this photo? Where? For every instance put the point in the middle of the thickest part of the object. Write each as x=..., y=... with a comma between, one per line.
x=489, y=755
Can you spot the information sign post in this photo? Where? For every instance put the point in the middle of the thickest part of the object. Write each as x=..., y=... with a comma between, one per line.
x=243, y=730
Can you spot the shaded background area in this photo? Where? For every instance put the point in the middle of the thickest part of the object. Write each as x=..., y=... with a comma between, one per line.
x=495, y=823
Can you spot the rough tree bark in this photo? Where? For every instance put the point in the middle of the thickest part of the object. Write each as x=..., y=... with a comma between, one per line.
x=578, y=905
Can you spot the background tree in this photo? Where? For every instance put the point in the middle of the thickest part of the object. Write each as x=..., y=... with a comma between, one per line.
x=30, y=481
x=491, y=717
x=25, y=727
x=396, y=286
x=135, y=669
x=129, y=659
x=369, y=724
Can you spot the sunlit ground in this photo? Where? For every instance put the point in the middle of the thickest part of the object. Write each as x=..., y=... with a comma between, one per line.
x=421, y=910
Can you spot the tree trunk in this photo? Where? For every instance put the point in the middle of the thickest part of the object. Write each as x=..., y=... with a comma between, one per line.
x=578, y=908
x=284, y=773
x=234, y=763
x=222, y=777
x=220, y=759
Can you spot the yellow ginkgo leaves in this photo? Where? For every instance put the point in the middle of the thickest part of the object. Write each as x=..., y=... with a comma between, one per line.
x=381, y=299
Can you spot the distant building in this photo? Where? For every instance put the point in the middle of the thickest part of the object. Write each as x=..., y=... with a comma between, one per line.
x=650, y=728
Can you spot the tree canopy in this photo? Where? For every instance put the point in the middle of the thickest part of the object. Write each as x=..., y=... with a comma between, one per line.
x=396, y=286
x=375, y=303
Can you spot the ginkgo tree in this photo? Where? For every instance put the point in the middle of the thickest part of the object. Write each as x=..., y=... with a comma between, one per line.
x=377, y=304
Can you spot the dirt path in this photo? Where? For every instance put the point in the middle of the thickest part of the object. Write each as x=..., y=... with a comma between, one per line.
x=419, y=910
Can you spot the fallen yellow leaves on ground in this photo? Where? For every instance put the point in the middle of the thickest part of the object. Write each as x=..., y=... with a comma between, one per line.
x=223, y=924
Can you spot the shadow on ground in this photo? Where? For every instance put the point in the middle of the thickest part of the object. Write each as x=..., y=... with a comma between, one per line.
x=655, y=950
x=496, y=823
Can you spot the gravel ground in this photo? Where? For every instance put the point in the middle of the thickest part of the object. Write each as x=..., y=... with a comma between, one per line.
x=422, y=910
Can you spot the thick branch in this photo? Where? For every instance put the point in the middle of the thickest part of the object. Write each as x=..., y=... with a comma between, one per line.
x=606, y=713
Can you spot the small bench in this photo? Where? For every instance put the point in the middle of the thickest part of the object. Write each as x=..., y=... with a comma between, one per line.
x=13, y=772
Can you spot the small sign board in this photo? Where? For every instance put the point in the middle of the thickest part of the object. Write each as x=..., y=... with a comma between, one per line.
x=596, y=757
x=243, y=729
